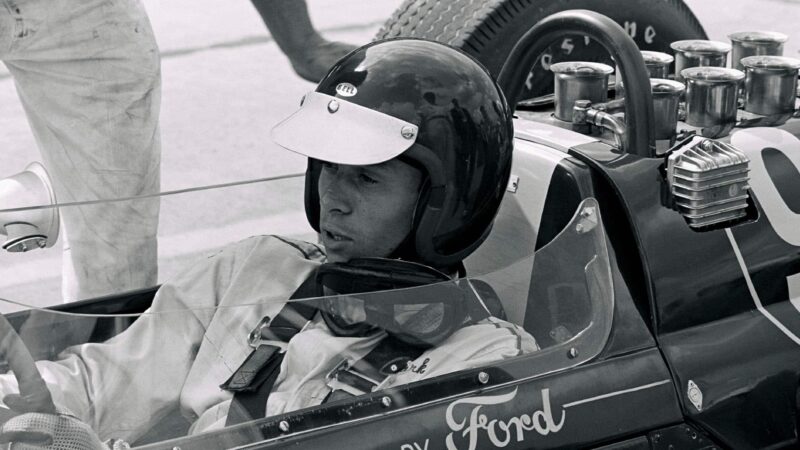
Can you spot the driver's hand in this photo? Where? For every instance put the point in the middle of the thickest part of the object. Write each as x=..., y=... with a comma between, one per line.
x=49, y=431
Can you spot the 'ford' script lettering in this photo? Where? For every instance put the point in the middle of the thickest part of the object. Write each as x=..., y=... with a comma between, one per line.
x=499, y=432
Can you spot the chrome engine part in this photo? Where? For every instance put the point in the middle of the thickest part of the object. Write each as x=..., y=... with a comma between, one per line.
x=708, y=181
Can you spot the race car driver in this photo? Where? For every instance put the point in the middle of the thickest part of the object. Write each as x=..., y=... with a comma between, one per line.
x=409, y=145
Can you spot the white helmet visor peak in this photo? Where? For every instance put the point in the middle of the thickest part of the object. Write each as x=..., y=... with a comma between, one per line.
x=334, y=130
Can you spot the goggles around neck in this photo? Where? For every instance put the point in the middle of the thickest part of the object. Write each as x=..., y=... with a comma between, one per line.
x=417, y=304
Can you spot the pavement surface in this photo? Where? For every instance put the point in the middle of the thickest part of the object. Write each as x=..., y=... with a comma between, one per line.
x=225, y=83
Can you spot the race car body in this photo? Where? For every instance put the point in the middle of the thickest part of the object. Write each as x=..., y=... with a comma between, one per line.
x=662, y=319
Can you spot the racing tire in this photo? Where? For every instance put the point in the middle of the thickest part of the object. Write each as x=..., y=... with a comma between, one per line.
x=489, y=29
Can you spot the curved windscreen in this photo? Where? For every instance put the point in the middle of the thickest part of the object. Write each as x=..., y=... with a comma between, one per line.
x=562, y=294
x=247, y=303
x=108, y=260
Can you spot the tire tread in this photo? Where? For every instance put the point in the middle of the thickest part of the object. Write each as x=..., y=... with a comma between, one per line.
x=476, y=16
x=487, y=29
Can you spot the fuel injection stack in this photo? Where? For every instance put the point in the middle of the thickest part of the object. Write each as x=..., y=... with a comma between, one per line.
x=696, y=107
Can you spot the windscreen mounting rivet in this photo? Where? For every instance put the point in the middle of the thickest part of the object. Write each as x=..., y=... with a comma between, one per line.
x=386, y=401
x=408, y=132
x=572, y=353
x=284, y=426
x=333, y=106
x=483, y=378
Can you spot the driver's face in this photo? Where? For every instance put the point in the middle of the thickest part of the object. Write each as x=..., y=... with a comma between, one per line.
x=366, y=211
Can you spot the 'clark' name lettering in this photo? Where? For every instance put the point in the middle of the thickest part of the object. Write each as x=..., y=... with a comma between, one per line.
x=499, y=432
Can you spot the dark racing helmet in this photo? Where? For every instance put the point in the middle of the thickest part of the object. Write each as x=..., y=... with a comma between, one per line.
x=433, y=107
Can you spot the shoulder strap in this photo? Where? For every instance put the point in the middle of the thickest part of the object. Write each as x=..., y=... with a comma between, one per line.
x=253, y=380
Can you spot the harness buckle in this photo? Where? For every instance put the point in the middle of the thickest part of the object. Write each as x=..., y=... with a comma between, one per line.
x=344, y=377
x=256, y=337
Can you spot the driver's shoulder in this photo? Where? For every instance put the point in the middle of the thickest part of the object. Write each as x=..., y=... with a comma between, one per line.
x=475, y=345
x=241, y=273
x=268, y=266
x=277, y=246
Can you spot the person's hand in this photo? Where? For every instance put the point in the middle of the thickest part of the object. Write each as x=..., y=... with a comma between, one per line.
x=318, y=57
x=34, y=430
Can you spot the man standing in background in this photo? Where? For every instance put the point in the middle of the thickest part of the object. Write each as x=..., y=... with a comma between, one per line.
x=88, y=75
x=309, y=53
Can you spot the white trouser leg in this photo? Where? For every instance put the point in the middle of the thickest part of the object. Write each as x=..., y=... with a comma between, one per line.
x=88, y=75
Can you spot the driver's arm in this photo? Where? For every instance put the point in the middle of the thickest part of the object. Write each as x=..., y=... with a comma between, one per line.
x=123, y=386
x=189, y=342
x=480, y=344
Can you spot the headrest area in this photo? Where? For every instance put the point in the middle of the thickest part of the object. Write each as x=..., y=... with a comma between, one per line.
x=548, y=194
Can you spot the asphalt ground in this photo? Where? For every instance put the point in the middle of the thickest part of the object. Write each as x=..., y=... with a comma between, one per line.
x=225, y=83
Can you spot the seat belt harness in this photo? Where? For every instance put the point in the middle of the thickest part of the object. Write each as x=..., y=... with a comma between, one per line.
x=252, y=382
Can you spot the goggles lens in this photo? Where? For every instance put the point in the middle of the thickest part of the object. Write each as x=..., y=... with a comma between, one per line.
x=414, y=303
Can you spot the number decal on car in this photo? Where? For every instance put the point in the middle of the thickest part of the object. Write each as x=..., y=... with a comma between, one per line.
x=754, y=142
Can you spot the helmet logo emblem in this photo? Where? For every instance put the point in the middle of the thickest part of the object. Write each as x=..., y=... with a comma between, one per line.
x=408, y=132
x=346, y=90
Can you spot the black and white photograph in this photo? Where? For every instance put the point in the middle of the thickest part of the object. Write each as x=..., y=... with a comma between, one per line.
x=399, y=224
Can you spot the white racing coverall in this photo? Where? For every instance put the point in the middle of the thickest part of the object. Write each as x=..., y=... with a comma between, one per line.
x=195, y=336
x=88, y=75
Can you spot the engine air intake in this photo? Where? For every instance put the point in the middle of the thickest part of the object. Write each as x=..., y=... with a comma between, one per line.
x=708, y=181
